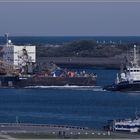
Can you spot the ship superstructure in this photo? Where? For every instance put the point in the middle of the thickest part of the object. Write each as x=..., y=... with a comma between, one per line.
x=20, y=57
x=129, y=77
x=131, y=71
x=130, y=124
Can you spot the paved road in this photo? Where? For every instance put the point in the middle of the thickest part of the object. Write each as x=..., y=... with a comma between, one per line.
x=30, y=128
x=6, y=136
x=59, y=130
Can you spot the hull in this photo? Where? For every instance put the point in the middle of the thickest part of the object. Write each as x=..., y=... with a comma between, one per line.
x=8, y=81
x=46, y=81
x=124, y=86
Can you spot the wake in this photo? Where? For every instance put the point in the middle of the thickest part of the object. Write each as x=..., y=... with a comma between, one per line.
x=93, y=88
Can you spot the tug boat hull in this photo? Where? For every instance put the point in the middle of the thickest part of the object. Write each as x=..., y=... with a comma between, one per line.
x=124, y=86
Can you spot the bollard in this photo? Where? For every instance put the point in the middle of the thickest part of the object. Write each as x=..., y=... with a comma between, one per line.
x=108, y=132
x=53, y=132
x=104, y=134
x=99, y=134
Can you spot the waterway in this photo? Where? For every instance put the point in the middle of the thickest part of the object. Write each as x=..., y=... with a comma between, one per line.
x=90, y=107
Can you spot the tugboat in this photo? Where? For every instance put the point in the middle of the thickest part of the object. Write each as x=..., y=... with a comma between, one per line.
x=129, y=77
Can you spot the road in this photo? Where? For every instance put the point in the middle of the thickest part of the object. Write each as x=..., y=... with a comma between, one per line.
x=17, y=130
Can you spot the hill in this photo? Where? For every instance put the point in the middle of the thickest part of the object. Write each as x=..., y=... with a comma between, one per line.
x=83, y=48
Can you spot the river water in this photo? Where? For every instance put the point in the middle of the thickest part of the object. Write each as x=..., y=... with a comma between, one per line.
x=80, y=106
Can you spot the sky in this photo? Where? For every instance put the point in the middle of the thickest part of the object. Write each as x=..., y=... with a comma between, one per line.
x=70, y=18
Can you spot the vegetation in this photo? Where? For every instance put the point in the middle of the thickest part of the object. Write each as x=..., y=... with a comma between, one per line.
x=84, y=48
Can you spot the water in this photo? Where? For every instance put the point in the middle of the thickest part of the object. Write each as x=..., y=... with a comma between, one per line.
x=65, y=39
x=82, y=107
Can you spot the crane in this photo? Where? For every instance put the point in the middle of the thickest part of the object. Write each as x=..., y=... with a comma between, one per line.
x=6, y=68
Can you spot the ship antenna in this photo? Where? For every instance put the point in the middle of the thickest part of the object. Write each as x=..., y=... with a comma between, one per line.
x=17, y=120
x=136, y=113
x=6, y=35
x=135, y=55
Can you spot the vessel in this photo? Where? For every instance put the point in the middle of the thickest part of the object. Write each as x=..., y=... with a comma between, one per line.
x=19, y=69
x=129, y=125
x=128, y=79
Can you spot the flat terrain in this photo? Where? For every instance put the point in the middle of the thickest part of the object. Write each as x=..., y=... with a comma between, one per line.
x=30, y=131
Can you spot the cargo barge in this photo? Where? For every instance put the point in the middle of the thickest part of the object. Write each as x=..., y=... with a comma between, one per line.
x=18, y=82
x=19, y=69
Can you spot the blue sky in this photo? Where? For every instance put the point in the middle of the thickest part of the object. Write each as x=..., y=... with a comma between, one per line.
x=70, y=18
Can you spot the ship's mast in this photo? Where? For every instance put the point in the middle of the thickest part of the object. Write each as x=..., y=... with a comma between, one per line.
x=135, y=55
x=6, y=35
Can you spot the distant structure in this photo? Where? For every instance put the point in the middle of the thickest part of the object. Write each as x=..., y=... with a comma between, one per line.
x=18, y=56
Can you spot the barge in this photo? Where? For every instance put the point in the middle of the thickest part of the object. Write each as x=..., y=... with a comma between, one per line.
x=19, y=69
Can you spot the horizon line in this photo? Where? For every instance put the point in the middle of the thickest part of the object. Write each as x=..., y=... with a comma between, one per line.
x=71, y=35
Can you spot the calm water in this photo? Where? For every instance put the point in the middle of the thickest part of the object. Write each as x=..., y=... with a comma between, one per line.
x=65, y=39
x=83, y=107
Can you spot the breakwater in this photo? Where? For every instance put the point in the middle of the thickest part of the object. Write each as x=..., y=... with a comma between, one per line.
x=83, y=61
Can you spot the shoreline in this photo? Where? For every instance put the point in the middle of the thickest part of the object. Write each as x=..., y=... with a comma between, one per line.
x=43, y=131
x=75, y=62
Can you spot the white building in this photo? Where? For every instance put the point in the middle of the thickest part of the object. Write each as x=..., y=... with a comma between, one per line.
x=18, y=55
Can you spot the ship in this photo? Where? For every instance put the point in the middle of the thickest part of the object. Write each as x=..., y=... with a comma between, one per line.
x=131, y=125
x=128, y=79
x=18, y=69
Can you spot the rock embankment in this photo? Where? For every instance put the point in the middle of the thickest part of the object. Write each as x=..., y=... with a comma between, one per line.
x=85, y=52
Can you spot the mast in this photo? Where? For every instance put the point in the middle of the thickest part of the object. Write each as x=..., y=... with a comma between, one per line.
x=135, y=56
x=6, y=35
